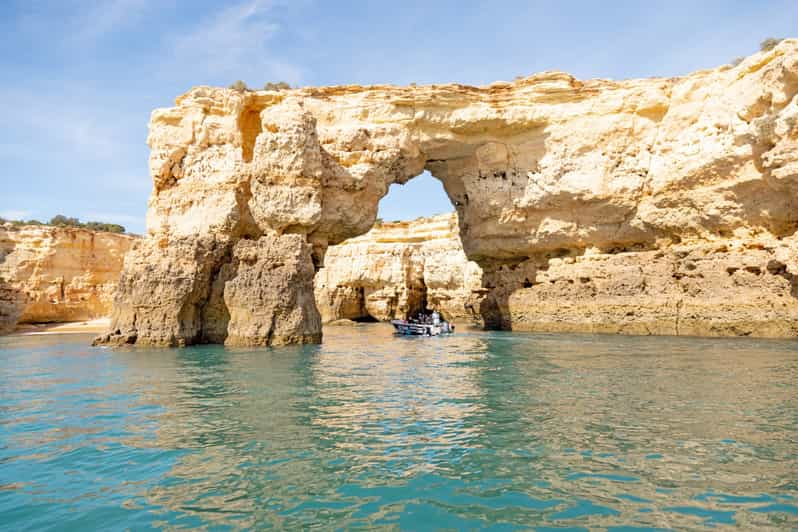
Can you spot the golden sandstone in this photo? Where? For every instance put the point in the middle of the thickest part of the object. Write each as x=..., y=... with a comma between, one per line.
x=57, y=274
x=653, y=206
x=399, y=269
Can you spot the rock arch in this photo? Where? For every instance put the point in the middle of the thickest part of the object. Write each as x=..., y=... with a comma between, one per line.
x=398, y=269
x=552, y=178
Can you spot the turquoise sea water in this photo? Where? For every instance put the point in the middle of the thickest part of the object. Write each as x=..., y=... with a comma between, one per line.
x=478, y=430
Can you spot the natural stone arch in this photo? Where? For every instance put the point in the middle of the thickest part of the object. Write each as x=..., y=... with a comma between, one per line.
x=551, y=178
x=400, y=268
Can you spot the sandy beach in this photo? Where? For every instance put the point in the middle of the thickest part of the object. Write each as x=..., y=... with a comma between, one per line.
x=74, y=327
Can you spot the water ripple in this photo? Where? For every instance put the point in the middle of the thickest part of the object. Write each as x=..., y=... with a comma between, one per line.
x=478, y=430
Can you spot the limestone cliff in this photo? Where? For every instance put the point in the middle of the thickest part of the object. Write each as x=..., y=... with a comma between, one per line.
x=398, y=269
x=53, y=274
x=554, y=180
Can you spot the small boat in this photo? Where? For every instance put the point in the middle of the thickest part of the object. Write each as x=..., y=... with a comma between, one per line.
x=417, y=328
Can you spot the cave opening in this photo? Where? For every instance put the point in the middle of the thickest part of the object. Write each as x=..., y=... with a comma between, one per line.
x=411, y=261
x=424, y=211
x=367, y=318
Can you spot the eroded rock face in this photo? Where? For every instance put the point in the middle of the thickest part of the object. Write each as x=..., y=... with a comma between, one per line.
x=399, y=269
x=742, y=288
x=12, y=304
x=545, y=167
x=270, y=295
x=55, y=274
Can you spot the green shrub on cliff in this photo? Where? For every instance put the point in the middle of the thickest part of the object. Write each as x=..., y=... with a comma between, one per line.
x=59, y=220
x=279, y=86
x=64, y=221
x=101, y=226
x=239, y=86
x=765, y=46
x=19, y=223
x=16, y=224
x=769, y=44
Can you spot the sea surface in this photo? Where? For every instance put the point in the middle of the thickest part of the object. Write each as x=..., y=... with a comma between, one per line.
x=479, y=430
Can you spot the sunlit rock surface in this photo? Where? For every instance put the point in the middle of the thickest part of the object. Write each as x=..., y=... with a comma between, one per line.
x=599, y=175
x=55, y=274
x=399, y=269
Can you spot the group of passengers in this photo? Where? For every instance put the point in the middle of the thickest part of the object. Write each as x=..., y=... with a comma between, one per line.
x=423, y=318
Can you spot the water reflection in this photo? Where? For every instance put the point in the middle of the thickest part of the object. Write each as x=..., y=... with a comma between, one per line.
x=407, y=408
x=473, y=430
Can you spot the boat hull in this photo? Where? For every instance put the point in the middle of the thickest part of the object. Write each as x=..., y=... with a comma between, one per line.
x=407, y=328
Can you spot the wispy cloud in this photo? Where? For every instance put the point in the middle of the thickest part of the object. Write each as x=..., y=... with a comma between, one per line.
x=76, y=129
x=78, y=24
x=101, y=18
x=15, y=214
x=233, y=42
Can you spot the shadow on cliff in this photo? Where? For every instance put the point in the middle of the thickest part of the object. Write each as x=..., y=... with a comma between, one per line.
x=12, y=300
x=12, y=304
x=766, y=202
x=499, y=282
x=775, y=267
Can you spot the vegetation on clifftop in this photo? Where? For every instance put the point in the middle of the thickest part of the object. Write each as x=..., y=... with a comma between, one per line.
x=769, y=44
x=765, y=46
x=279, y=86
x=64, y=221
x=241, y=86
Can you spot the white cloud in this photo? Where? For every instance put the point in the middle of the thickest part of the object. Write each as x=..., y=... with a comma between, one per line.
x=102, y=18
x=232, y=43
x=78, y=128
x=15, y=214
x=78, y=24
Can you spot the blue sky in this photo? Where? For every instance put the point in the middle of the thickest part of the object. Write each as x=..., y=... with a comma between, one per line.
x=78, y=79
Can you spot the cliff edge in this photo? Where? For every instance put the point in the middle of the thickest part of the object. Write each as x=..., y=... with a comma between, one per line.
x=57, y=274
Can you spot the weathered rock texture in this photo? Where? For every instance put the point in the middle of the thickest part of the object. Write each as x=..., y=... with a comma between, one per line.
x=398, y=269
x=735, y=288
x=54, y=274
x=606, y=174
